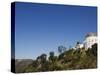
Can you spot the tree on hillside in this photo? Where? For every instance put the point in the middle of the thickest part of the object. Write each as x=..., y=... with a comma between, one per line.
x=38, y=59
x=51, y=56
x=43, y=62
x=61, y=49
x=43, y=57
x=94, y=49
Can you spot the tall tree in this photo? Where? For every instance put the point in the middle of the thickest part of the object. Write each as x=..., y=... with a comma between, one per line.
x=44, y=62
x=51, y=56
x=43, y=57
x=61, y=49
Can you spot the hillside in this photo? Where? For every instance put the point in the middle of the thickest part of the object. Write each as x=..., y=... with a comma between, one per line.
x=66, y=60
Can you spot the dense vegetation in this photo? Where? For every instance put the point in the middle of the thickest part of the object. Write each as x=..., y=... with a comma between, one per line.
x=66, y=60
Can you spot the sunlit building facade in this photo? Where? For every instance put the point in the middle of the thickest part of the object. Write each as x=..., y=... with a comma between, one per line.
x=90, y=39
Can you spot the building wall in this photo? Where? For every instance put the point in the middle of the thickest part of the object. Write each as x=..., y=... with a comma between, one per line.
x=89, y=41
x=79, y=46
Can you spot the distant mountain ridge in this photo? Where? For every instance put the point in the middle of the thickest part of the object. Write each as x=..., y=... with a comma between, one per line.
x=21, y=63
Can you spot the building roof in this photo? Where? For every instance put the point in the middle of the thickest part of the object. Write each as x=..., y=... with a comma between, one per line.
x=91, y=34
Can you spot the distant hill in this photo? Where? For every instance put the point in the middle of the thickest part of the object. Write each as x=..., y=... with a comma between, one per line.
x=20, y=64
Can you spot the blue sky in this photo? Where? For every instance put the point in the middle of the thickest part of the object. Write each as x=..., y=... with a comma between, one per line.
x=41, y=28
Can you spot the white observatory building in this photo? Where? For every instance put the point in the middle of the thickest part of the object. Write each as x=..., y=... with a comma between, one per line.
x=90, y=39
